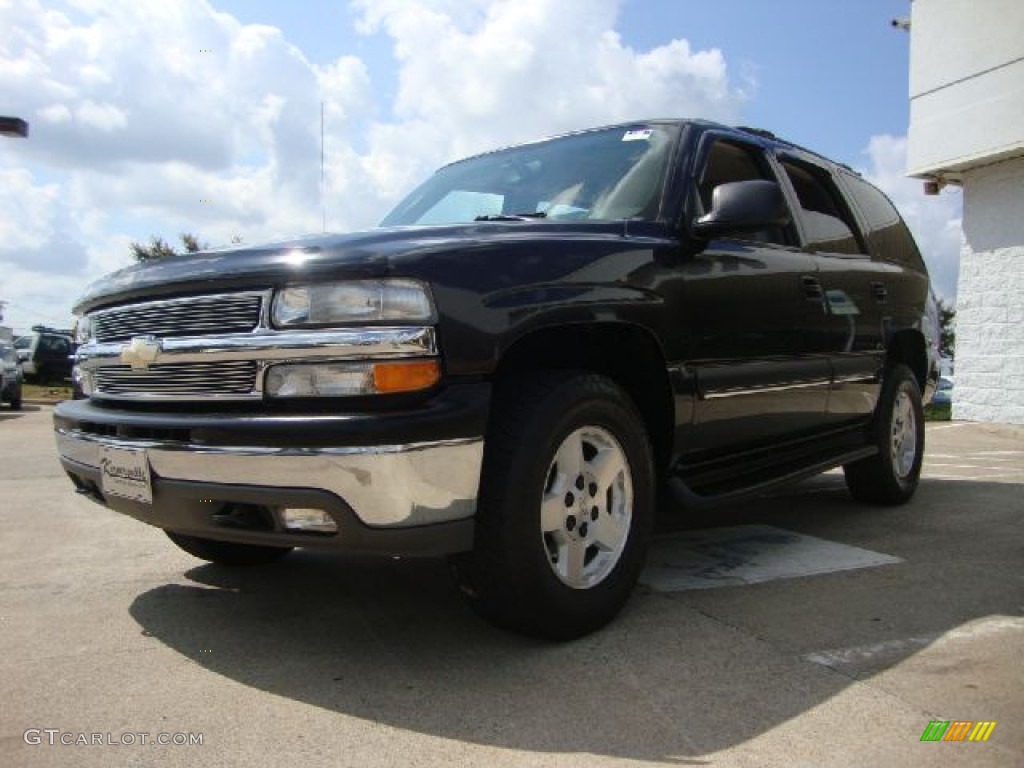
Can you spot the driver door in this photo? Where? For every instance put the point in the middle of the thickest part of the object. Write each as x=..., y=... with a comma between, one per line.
x=756, y=307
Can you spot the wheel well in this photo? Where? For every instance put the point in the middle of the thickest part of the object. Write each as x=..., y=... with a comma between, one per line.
x=908, y=347
x=627, y=354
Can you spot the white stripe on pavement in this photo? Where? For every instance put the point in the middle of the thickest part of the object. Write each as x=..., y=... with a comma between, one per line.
x=747, y=554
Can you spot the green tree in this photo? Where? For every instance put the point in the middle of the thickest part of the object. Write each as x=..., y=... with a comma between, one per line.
x=158, y=248
x=947, y=329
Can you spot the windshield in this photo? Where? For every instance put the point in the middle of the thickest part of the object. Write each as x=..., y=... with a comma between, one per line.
x=612, y=173
x=23, y=342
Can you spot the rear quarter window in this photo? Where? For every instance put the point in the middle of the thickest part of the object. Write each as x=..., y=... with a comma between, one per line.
x=827, y=222
x=886, y=233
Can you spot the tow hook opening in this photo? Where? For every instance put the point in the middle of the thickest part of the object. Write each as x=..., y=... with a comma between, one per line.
x=245, y=517
x=87, y=487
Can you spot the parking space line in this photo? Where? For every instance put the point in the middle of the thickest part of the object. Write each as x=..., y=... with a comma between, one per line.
x=991, y=625
x=838, y=657
x=748, y=554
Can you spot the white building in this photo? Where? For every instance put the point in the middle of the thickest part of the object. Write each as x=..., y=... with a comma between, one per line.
x=967, y=127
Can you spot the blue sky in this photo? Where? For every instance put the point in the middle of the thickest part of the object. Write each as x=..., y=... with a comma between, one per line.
x=830, y=73
x=151, y=117
x=826, y=73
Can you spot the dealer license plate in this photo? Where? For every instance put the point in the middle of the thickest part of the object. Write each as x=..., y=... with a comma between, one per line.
x=125, y=473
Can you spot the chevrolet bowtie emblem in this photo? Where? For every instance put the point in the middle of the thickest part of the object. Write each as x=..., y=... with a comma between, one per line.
x=140, y=352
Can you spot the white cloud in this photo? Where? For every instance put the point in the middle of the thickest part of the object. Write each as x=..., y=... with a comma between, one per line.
x=474, y=75
x=55, y=113
x=154, y=117
x=105, y=117
x=935, y=221
x=28, y=210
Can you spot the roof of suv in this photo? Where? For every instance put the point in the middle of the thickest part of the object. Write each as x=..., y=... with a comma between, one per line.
x=759, y=136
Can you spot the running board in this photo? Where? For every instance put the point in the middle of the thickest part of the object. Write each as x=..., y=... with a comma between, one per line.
x=687, y=498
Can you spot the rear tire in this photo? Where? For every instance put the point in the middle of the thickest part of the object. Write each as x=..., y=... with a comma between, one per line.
x=565, y=506
x=891, y=476
x=227, y=552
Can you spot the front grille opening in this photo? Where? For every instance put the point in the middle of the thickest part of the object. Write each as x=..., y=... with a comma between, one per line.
x=155, y=433
x=232, y=378
x=102, y=430
x=191, y=316
x=135, y=433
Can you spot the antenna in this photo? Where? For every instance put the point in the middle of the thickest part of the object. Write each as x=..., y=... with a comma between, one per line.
x=323, y=175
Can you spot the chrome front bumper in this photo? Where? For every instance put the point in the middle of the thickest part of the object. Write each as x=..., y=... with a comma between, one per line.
x=392, y=486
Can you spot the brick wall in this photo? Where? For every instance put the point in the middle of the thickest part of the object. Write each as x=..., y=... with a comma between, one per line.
x=989, y=369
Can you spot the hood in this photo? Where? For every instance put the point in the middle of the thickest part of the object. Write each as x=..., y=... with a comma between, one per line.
x=370, y=254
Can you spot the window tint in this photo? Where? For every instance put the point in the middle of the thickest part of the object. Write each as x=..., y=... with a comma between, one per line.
x=827, y=223
x=887, y=235
x=728, y=161
x=615, y=173
x=53, y=345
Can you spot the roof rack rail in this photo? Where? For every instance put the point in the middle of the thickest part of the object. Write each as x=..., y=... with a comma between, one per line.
x=48, y=329
x=757, y=132
x=769, y=135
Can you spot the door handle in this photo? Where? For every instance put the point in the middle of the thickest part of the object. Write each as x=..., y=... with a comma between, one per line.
x=879, y=291
x=812, y=288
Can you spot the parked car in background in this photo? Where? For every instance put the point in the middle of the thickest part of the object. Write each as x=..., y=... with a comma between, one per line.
x=45, y=354
x=944, y=391
x=10, y=376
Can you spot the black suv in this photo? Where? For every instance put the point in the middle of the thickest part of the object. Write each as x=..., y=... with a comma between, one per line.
x=507, y=368
x=45, y=354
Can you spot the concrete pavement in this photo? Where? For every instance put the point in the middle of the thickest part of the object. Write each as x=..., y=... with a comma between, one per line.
x=107, y=628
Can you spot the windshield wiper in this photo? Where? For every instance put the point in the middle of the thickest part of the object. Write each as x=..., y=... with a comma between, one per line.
x=511, y=216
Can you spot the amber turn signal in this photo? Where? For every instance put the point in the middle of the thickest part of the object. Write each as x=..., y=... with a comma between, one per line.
x=406, y=376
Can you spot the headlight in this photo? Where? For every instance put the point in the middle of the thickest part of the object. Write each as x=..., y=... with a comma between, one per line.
x=392, y=301
x=83, y=330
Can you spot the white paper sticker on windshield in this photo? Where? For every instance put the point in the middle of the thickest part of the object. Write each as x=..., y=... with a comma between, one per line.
x=638, y=134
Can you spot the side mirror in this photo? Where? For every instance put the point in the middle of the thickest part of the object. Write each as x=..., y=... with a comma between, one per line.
x=743, y=206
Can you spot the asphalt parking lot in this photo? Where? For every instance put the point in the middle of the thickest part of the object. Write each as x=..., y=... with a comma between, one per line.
x=812, y=631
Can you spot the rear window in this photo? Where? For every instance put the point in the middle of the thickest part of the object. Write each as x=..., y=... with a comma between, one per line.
x=888, y=237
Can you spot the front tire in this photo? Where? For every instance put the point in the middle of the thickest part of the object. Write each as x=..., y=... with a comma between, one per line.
x=891, y=476
x=565, y=506
x=227, y=552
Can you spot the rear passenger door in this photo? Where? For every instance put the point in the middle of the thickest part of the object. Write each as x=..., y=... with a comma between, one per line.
x=755, y=310
x=855, y=287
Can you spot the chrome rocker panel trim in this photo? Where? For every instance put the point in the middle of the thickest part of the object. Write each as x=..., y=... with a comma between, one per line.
x=385, y=485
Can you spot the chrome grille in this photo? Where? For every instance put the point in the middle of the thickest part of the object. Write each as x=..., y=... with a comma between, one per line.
x=217, y=379
x=193, y=316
